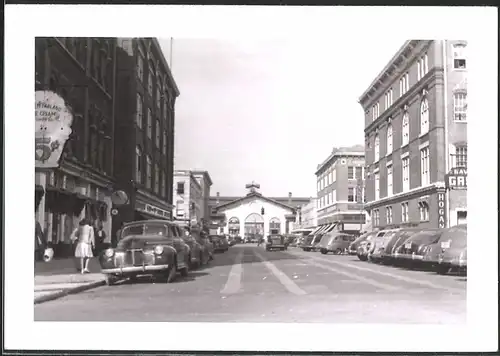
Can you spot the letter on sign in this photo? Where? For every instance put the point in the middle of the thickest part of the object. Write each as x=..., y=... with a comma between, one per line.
x=441, y=210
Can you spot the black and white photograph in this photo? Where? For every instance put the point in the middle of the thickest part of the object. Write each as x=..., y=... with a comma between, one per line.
x=248, y=184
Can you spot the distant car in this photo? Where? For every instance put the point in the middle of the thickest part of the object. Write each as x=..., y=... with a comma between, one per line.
x=200, y=254
x=397, y=239
x=380, y=243
x=151, y=247
x=353, y=246
x=311, y=243
x=219, y=242
x=335, y=242
x=365, y=246
x=411, y=253
x=276, y=242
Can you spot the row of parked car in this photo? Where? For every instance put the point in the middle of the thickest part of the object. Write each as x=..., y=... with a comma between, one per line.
x=159, y=248
x=441, y=250
x=336, y=242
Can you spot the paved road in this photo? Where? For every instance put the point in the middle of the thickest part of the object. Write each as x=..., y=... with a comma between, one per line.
x=249, y=284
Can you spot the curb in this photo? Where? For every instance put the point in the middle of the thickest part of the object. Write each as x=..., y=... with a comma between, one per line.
x=65, y=292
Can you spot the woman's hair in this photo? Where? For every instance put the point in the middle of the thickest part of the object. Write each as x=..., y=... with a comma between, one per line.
x=84, y=222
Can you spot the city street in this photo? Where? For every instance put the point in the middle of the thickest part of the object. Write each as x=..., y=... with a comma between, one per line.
x=250, y=284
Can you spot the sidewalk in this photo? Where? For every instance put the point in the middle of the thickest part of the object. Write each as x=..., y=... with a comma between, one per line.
x=60, y=277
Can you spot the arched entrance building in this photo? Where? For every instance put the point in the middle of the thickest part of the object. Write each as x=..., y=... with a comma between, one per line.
x=255, y=215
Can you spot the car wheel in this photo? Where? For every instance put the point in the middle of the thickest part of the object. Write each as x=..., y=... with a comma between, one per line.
x=110, y=279
x=171, y=273
x=200, y=258
x=440, y=269
x=324, y=252
x=185, y=271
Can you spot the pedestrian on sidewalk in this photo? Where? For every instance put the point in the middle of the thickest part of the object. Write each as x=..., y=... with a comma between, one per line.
x=84, y=235
x=100, y=236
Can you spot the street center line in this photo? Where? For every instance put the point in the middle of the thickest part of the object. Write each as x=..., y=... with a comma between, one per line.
x=356, y=277
x=388, y=274
x=233, y=283
x=282, y=277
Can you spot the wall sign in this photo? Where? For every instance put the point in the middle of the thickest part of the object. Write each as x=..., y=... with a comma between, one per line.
x=155, y=211
x=456, y=178
x=52, y=128
x=441, y=198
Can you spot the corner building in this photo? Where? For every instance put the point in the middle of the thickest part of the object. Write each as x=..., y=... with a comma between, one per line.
x=415, y=132
x=145, y=117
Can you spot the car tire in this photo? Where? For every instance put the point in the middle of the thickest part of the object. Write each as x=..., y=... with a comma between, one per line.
x=440, y=269
x=324, y=252
x=185, y=271
x=171, y=273
x=200, y=258
x=110, y=279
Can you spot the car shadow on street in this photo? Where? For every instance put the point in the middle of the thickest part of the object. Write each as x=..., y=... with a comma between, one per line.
x=193, y=275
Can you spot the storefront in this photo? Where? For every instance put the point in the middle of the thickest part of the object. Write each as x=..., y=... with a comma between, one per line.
x=145, y=211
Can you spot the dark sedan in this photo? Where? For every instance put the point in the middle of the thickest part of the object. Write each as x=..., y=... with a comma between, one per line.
x=395, y=242
x=411, y=253
x=276, y=242
x=151, y=247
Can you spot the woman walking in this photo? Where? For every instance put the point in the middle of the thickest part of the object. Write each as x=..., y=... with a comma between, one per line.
x=84, y=234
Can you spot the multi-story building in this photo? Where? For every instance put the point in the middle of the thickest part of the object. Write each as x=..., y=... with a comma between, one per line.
x=307, y=215
x=145, y=117
x=206, y=182
x=340, y=192
x=188, y=198
x=82, y=72
x=415, y=133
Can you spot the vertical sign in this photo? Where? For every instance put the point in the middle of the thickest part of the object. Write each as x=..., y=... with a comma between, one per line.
x=441, y=198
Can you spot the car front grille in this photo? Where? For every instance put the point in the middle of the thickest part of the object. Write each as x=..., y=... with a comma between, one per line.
x=134, y=257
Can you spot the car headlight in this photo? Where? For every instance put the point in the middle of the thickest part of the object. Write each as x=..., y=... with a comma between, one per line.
x=159, y=250
x=109, y=252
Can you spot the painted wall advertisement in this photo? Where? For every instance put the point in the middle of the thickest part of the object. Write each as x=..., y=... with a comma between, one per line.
x=52, y=128
x=441, y=198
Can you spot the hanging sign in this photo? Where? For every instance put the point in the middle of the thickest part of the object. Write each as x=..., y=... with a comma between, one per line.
x=52, y=128
x=441, y=210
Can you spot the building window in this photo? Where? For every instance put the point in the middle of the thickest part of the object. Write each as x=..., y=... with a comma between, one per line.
x=140, y=66
x=180, y=188
x=459, y=60
x=150, y=123
x=389, y=138
x=406, y=174
x=138, y=164
x=460, y=106
x=389, y=214
x=404, y=84
x=424, y=211
x=151, y=76
x=460, y=157
x=351, y=195
x=424, y=166
x=404, y=212
x=149, y=177
x=157, y=133
x=377, y=186
x=138, y=115
x=405, y=129
x=376, y=148
x=388, y=99
x=424, y=116
x=162, y=183
x=375, y=217
x=328, y=199
x=157, y=178
x=422, y=66
x=389, y=181
x=359, y=173
x=375, y=111
x=350, y=172
x=159, y=90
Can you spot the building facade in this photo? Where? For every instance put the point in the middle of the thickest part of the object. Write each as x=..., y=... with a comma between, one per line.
x=242, y=216
x=415, y=133
x=206, y=183
x=82, y=71
x=307, y=215
x=188, y=198
x=340, y=193
x=145, y=120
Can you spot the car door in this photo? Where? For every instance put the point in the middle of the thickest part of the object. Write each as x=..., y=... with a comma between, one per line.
x=179, y=244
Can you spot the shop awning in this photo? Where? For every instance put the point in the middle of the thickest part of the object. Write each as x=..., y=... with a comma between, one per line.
x=330, y=227
x=322, y=229
x=315, y=231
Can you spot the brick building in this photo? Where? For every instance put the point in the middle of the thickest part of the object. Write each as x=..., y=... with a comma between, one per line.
x=415, y=132
x=340, y=190
x=188, y=198
x=82, y=72
x=145, y=117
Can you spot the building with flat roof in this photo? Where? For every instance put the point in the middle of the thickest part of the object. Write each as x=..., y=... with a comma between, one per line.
x=188, y=198
x=415, y=134
x=340, y=193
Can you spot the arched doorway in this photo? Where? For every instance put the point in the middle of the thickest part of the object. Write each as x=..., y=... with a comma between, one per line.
x=275, y=226
x=234, y=226
x=254, y=227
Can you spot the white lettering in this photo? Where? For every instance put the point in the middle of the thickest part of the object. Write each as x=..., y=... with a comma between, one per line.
x=441, y=212
x=441, y=204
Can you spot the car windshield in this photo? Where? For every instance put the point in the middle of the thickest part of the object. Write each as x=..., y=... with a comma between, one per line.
x=145, y=229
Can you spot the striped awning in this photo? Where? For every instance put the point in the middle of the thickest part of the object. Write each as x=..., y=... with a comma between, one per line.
x=330, y=227
x=323, y=228
x=315, y=230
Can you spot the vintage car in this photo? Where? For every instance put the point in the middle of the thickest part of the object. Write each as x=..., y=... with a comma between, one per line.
x=219, y=242
x=207, y=245
x=454, y=253
x=379, y=245
x=411, y=252
x=365, y=246
x=199, y=254
x=432, y=252
x=276, y=242
x=399, y=238
x=353, y=246
x=335, y=242
x=311, y=242
x=149, y=247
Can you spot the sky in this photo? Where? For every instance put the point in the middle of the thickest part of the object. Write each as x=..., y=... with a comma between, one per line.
x=269, y=110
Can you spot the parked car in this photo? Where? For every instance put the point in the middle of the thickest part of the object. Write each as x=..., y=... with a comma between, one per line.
x=200, y=252
x=220, y=243
x=364, y=246
x=454, y=255
x=150, y=247
x=306, y=243
x=399, y=238
x=276, y=242
x=336, y=242
x=411, y=253
x=207, y=245
x=380, y=243
x=432, y=252
x=353, y=246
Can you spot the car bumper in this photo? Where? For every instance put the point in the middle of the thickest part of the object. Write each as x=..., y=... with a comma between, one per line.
x=134, y=269
x=275, y=246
